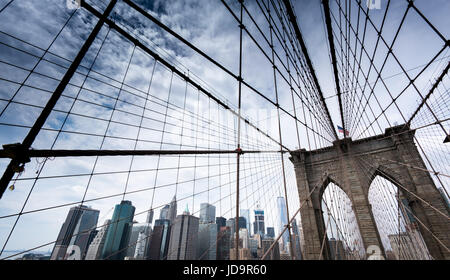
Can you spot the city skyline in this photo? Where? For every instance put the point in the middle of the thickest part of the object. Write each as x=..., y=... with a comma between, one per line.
x=161, y=126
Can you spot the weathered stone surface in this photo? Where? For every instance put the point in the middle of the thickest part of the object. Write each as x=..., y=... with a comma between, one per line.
x=353, y=165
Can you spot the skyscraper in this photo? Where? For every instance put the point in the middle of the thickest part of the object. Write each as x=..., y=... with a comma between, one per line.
x=96, y=247
x=282, y=220
x=296, y=240
x=270, y=232
x=75, y=232
x=221, y=222
x=118, y=233
x=246, y=214
x=258, y=224
x=232, y=224
x=149, y=219
x=183, y=237
x=159, y=241
x=136, y=229
x=274, y=254
x=206, y=243
x=207, y=213
x=172, y=210
x=169, y=211
x=224, y=243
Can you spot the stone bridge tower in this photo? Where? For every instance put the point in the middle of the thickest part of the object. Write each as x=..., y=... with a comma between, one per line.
x=353, y=165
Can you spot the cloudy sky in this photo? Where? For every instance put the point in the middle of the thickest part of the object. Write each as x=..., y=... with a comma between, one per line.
x=129, y=101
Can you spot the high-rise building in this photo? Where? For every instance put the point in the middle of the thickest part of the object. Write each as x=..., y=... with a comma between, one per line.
x=258, y=224
x=136, y=229
x=224, y=243
x=282, y=220
x=444, y=196
x=207, y=240
x=159, y=241
x=183, y=237
x=243, y=235
x=246, y=214
x=96, y=247
x=207, y=213
x=336, y=249
x=244, y=254
x=75, y=233
x=402, y=246
x=172, y=210
x=164, y=212
x=149, y=219
x=231, y=224
x=296, y=238
x=119, y=231
x=253, y=246
x=140, y=253
x=270, y=232
x=221, y=222
x=169, y=211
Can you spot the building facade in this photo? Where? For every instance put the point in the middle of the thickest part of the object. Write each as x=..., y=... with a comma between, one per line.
x=96, y=247
x=119, y=231
x=183, y=237
x=75, y=232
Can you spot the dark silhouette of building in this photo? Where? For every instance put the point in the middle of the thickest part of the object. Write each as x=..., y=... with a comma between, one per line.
x=223, y=243
x=75, y=231
x=159, y=241
x=270, y=232
x=221, y=222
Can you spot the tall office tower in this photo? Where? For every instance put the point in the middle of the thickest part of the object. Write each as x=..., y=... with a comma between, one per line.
x=270, y=232
x=274, y=254
x=164, y=212
x=253, y=246
x=207, y=213
x=231, y=223
x=207, y=240
x=149, y=219
x=246, y=214
x=82, y=235
x=336, y=249
x=296, y=240
x=75, y=232
x=142, y=243
x=183, y=237
x=243, y=235
x=242, y=222
x=119, y=231
x=224, y=243
x=221, y=222
x=258, y=224
x=96, y=247
x=244, y=254
x=444, y=196
x=282, y=220
x=172, y=210
x=159, y=240
x=136, y=229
